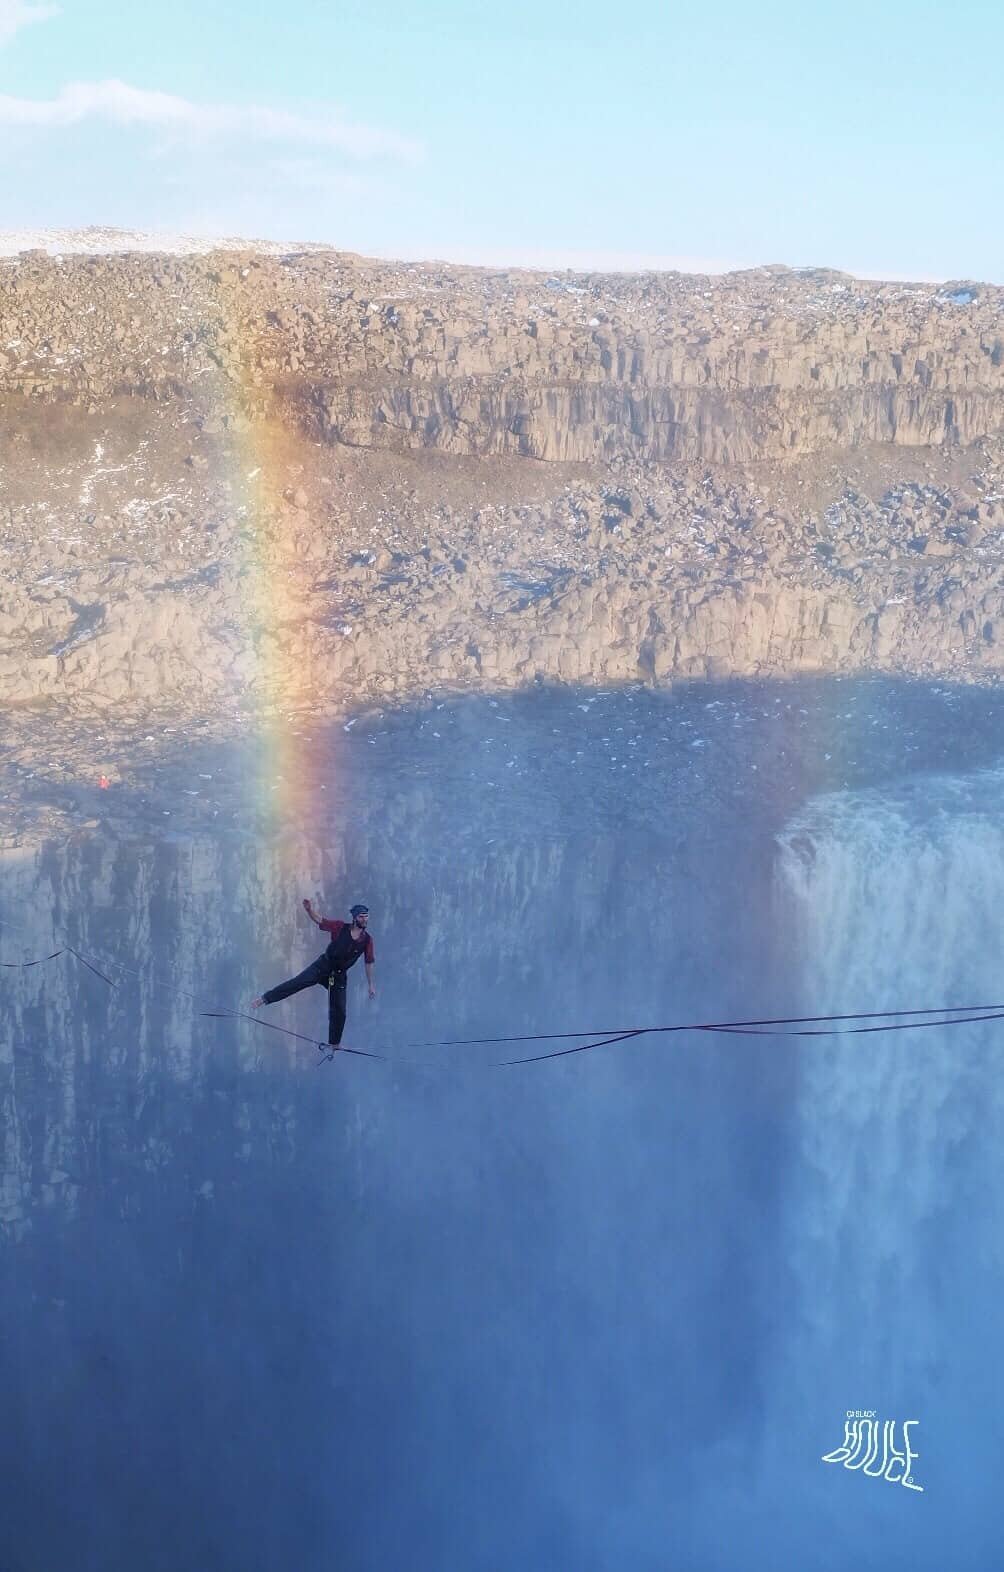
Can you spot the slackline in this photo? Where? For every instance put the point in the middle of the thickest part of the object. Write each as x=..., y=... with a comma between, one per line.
x=776, y=1026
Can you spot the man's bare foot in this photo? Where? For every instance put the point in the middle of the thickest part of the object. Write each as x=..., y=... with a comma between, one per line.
x=256, y=1004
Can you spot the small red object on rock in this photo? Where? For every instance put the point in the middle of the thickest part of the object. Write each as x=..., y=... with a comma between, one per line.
x=103, y=782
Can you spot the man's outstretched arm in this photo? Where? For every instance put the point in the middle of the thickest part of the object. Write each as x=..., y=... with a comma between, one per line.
x=314, y=916
x=369, y=979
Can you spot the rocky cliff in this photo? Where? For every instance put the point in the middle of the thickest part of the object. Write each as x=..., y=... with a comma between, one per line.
x=304, y=479
x=750, y=366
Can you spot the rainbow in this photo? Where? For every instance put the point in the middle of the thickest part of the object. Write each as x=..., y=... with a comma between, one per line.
x=294, y=767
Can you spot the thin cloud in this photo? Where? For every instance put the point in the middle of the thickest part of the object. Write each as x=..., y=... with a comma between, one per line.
x=307, y=174
x=15, y=14
x=119, y=104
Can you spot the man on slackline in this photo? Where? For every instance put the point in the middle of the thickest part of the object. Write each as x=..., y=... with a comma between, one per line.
x=349, y=940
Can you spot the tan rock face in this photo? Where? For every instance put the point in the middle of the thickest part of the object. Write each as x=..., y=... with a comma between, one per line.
x=244, y=479
x=766, y=364
x=132, y=579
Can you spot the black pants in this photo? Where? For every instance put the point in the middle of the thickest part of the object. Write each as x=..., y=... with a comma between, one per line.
x=319, y=972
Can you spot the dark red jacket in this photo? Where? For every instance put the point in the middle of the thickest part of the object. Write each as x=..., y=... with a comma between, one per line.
x=343, y=949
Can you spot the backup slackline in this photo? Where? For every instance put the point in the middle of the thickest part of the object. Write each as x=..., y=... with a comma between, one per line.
x=777, y=1026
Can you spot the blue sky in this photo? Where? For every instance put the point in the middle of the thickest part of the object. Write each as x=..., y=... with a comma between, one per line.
x=852, y=135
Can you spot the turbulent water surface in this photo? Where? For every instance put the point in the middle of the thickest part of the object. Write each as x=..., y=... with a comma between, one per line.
x=609, y=1310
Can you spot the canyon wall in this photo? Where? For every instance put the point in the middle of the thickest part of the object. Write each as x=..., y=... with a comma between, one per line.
x=240, y=478
x=766, y=364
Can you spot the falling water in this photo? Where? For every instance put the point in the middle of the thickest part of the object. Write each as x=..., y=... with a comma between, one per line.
x=608, y=1311
x=892, y=1213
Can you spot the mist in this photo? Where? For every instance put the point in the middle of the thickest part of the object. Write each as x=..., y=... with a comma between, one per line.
x=259, y=1308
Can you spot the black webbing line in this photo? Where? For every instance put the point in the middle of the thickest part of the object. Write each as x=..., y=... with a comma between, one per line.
x=748, y=1029
x=720, y=1026
x=84, y=961
x=108, y=960
x=328, y=1051
x=145, y=977
x=853, y=1031
x=559, y=1053
x=239, y=1015
x=20, y=966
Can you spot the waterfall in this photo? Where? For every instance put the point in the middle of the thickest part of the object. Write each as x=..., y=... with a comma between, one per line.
x=891, y=1237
